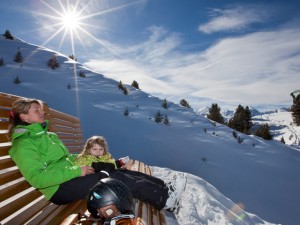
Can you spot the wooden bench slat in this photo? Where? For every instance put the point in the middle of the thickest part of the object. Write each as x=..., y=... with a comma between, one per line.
x=59, y=215
x=4, y=138
x=6, y=99
x=74, y=149
x=27, y=214
x=13, y=190
x=19, y=203
x=48, y=213
x=6, y=163
x=4, y=113
x=66, y=137
x=70, y=130
x=59, y=122
x=3, y=125
x=56, y=114
x=9, y=176
x=4, y=150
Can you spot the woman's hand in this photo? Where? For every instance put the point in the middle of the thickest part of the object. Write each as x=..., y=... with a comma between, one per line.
x=85, y=170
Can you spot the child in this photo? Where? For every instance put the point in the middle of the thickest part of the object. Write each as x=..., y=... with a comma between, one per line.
x=142, y=186
x=95, y=150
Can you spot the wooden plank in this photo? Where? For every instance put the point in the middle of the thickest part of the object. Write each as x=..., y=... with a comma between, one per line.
x=58, y=121
x=6, y=99
x=17, y=204
x=67, y=130
x=56, y=114
x=28, y=213
x=65, y=137
x=62, y=214
x=14, y=189
x=4, y=150
x=9, y=176
x=3, y=125
x=4, y=138
x=4, y=112
x=6, y=163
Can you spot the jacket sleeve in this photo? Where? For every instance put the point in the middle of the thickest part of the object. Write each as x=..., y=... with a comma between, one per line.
x=26, y=156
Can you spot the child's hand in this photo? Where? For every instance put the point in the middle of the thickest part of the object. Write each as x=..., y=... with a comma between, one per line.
x=124, y=161
x=85, y=170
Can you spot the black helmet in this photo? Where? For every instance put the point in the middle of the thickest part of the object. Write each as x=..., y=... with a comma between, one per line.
x=112, y=197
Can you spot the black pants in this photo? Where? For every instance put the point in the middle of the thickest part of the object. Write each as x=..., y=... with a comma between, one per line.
x=144, y=187
x=75, y=189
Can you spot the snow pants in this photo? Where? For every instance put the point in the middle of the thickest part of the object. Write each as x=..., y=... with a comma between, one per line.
x=75, y=189
x=144, y=187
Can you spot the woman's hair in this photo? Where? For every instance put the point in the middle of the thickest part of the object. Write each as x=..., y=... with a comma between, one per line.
x=18, y=107
x=91, y=142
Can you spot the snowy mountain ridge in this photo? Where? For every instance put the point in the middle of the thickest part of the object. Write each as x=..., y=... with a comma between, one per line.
x=244, y=172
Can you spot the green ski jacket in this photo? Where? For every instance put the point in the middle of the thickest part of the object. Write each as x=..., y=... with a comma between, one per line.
x=42, y=158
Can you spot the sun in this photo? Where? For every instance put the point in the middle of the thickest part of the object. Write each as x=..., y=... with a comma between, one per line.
x=71, y=20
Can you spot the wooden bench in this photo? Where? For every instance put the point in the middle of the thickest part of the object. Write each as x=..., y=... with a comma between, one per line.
x=22, y=204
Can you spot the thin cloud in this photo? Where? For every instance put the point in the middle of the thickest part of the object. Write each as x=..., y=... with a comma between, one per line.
x=233, y=19
x=257, y=68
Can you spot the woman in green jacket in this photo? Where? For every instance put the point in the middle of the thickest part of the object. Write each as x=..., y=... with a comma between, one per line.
x=43, y=159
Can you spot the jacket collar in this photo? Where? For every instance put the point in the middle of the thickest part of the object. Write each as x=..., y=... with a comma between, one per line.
x=34, y=129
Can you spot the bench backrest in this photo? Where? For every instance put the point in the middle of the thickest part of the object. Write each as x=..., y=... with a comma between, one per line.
x=19, y=202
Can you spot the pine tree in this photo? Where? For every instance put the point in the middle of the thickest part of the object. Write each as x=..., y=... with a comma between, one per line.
x=19, y=57
x=120, y=85
x=52, y=62
x=123, y=88
x=185, y=103
x=282, y=140
x=8, y=35
x=248, y=118
x=295, y=109
x=241, y=120
x=126, y=112
x=215, y=114
x=1, y=62
x=135, y=84
x=82, y=74
x=166, y=120
x=165, y=104
x=264, y=132
x=17, y=80
x=158, y=117
x=73, y=57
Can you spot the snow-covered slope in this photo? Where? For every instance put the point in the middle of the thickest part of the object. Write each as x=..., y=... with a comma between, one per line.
x=263, y=176
x=203, y=204
x=280, y=123
x=281, y=126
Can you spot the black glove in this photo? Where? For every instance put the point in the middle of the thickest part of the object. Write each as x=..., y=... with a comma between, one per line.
x=102, y=166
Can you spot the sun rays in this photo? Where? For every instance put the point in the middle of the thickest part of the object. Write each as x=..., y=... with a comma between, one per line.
x=72, y=22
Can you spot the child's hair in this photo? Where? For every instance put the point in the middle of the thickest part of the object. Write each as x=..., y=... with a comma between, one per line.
x=90, y=143
x=18, y=107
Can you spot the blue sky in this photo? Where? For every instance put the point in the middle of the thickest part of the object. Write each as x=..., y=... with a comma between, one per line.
x=239, y=52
